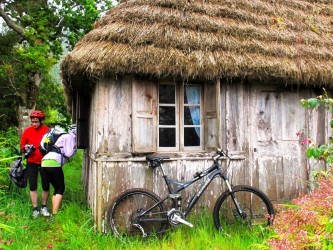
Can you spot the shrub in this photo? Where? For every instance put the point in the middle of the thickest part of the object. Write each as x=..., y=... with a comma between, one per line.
x=9, y=149
x=9, y=143
x=306, y=223
x=325, y=151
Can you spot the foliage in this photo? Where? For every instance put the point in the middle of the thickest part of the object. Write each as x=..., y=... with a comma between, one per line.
x=52, y=101
x=32, y=41
x=8, y=114
x=325, y=151
x=8, y=101
x=9, y=149
x=45, y=25
x=9, y=143
x=307, y=222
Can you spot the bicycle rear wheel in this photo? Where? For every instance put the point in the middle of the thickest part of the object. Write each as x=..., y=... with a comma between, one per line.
x=126, y=217
x=256, y=207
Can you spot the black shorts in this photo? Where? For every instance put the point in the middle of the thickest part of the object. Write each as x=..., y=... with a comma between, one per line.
x=55, y=176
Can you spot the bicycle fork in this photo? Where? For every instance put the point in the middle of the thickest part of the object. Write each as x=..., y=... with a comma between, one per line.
x=234, y=198
x=238, y=207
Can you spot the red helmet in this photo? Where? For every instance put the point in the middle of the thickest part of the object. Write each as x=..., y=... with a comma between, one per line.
x=37, y=114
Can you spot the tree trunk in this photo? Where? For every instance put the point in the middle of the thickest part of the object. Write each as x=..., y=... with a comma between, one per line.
x=28, y=103
x=23, y=118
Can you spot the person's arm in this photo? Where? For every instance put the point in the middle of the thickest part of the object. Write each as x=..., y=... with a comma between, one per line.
x=23, y=142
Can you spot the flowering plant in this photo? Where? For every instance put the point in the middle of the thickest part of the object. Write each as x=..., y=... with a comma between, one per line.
x=307, y=222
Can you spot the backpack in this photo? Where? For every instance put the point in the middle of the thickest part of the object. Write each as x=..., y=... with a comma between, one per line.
x=18, y=174
x=48, y=141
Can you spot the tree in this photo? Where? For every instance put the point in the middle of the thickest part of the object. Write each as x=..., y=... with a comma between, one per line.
x=51, y=100
x=38, y=29
x=8, y=100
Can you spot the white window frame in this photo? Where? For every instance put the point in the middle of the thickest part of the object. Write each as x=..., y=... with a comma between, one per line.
x=179, y=111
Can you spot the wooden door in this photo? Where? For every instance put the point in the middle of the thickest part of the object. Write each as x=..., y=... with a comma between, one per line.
x=279, y=162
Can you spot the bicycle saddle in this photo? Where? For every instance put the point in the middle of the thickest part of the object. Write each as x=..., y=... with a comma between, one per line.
x=157, y=158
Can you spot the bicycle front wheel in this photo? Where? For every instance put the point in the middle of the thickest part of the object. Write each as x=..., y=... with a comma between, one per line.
x=128, y=217
x=256, y=209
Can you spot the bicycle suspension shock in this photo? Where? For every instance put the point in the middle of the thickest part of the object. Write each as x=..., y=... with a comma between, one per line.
x=177, y=200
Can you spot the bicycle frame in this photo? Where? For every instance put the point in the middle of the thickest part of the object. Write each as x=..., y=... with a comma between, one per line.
x=212, y=172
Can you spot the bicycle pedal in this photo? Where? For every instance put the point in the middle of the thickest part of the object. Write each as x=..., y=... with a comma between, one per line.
x=178, y=219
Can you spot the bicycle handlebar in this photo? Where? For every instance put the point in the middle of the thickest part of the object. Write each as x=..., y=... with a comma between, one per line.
x=220, y=153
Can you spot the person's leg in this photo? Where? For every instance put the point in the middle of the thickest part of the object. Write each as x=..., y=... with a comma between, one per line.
x=33, y=179
x=45, y=192
x=56, y=202
x=45, y=184
x=45, y=196
x=58, y=183
x=34, y=198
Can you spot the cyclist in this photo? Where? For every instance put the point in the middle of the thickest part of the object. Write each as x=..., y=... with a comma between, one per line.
x=52, y=165
x=29, y=145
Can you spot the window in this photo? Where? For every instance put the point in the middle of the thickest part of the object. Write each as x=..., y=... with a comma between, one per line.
x=180, y=117
x=175, y=117
x=167, y=117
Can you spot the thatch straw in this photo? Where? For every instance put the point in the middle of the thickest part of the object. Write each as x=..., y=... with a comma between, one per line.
x=209, y=39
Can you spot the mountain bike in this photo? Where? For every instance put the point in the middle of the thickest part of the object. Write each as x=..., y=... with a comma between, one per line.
x=140, y=212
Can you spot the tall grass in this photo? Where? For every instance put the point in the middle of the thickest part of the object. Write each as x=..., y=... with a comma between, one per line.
x=9, y=149
x=73, y=227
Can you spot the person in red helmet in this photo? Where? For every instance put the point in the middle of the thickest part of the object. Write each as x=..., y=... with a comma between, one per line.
x=29, y=145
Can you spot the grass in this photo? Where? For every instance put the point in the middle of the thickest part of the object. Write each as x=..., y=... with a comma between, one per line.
x=73, y=225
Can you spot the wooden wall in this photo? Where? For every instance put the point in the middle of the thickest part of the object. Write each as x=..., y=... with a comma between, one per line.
x=259, y=126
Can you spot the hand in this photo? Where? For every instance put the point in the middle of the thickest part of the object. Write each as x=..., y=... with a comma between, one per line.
x=26, y=147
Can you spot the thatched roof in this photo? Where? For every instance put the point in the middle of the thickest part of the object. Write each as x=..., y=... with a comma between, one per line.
x=209, y=39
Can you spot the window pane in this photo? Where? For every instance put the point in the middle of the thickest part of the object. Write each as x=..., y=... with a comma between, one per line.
x=191, y=137
x=167, y=137
x=191, y=115
x=192, y=94
x=167, y=115
x=167, y=94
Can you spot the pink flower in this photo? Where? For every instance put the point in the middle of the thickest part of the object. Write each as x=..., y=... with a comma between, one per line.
x=298, y=133
x=50, y=246
x=306, y=141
